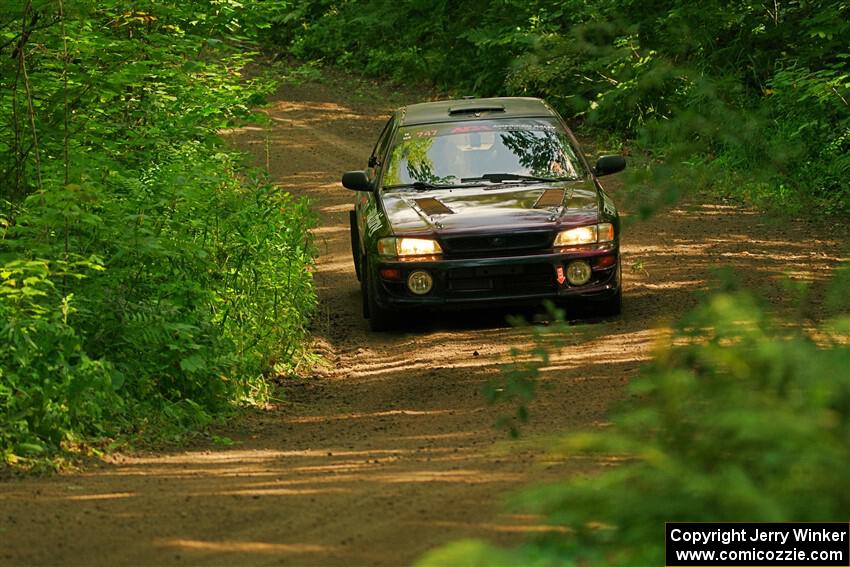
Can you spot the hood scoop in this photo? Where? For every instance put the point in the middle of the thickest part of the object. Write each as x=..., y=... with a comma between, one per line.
x=550, y=198
x=431, y=206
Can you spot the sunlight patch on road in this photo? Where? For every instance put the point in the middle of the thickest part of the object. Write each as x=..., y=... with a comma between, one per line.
x=188, y=473
x=59, y=495
x=378, y=370
x=343, y=208
x=316, y=108
x=501, y=528
x=289, y=181
x=236, y=456
x=106, y=496
x=322, y=230
x=229, y=131
x=436, y=436
x=703, y=209
x=335, y=469
x=700, y=284
x=465, y=476
x=253, y=456
x=365, y=415
x=230, y=546
x=345, y=266
x=275, y=492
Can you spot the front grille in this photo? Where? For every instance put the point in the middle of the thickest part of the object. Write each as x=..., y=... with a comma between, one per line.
x=497, y=244
x=525, y=279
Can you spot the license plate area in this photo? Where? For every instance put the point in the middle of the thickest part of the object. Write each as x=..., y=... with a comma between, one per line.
x=512, y=279
x=492, y=271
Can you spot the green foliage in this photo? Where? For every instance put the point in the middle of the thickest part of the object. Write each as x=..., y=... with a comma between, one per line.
x=753, y=95
x=453, y=44
x=147, y=279
x=737, y=417
x=49, y=385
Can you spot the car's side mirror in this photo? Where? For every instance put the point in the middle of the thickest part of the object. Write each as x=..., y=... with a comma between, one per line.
x=356, y=181
x=606, y=165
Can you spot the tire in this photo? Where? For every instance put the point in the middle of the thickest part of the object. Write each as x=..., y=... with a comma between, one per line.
x=613, y=306
x=380, y=319
x=355, y=243
x=364, y=289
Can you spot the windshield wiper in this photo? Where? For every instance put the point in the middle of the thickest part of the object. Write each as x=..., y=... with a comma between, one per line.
x=425, y=186
x=502, y=177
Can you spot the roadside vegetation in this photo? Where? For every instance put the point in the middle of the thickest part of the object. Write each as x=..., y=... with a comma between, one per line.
x=739, y=417
x=148, y=280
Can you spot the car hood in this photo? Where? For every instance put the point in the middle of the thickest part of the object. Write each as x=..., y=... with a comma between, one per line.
x=500, y=207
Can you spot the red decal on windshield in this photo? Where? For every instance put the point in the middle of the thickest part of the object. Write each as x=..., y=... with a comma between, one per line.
x=473, y=128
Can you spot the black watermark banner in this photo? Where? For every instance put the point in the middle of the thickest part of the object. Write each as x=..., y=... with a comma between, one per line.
x=692, y=544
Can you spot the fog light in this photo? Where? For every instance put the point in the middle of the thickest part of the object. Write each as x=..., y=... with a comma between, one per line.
x=578, y=272
x=420, y=282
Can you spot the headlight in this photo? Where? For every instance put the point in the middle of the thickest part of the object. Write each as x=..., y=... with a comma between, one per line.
x=393, y=246
x=603, y=232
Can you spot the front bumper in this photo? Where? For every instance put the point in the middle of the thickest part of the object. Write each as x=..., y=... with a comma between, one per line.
x=493, y=281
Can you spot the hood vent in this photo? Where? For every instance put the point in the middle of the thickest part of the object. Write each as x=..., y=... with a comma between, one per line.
x=550, y=198
x=431, y=206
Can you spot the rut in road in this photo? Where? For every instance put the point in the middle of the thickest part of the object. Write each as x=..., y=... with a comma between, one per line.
x=390, y=449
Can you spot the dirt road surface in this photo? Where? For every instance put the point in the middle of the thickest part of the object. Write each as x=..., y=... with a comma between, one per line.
x=390, y=448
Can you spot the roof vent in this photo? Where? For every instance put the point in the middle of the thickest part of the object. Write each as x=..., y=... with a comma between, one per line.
x=475, y=109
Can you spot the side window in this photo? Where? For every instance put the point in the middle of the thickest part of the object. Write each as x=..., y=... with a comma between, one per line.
x=380, y=148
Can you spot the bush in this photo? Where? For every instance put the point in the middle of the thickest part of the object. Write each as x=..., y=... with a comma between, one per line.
x=738, y=418
x=148, y=280
x=50, y=388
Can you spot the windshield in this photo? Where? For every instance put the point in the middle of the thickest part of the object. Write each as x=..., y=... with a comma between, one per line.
x=494, y=151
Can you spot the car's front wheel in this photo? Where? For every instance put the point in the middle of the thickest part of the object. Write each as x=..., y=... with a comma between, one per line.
x=355, y=242
x=583, y=308
x=613, y=306
x=380, y=319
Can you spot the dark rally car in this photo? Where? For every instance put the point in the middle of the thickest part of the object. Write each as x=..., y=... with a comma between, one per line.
x=480, y=202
